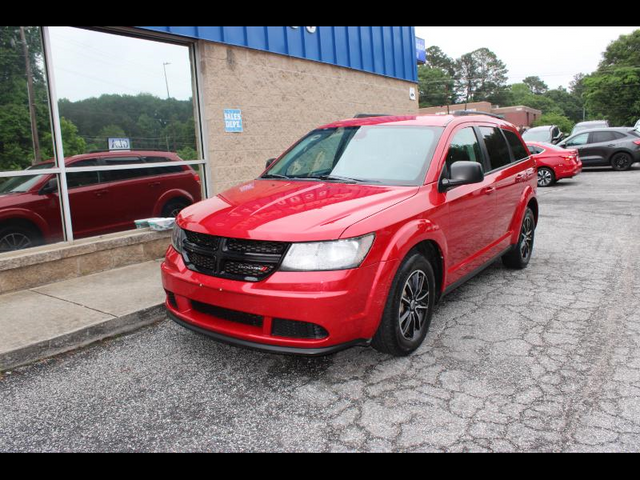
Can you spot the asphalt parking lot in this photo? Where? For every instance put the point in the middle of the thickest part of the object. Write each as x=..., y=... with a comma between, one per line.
x=544, y=359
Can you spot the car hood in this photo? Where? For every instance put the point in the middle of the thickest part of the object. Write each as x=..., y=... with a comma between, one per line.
x=14, y=199
x=290, y=210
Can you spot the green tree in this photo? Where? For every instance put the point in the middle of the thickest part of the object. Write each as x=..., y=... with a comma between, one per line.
x=481, y=76
x=72, y=143
x=16, y=139
x=613, y=90
x=435, y=86
x=536, y=85
x=565, y=124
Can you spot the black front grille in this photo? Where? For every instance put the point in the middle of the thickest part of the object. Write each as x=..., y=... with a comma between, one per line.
x=203, y=240
x=295, y=329
x=226, y=314
x=237, y=259
x=251, y=246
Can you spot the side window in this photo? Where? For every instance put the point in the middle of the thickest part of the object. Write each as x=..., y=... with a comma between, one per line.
x=496, y=147
x=464, y=146
x=161, y=170
x=119, y=175
x=534, y=150
x=578, y=140
x=599, y=137
x=82, y=179
x=518, y=149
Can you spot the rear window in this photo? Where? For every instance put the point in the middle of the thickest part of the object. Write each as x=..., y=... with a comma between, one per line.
x=517, y=147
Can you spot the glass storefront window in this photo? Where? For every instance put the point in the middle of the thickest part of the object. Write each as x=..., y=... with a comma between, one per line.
x=30, y=212
x=126, y=117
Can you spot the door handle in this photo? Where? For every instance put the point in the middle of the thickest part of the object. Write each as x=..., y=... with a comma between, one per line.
x=100, y=193
x=489, y=190
x=154, y=184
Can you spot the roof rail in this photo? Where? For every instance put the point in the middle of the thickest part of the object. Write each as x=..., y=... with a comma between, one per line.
x=462, y=113
x=130, y=150
x=366, y=115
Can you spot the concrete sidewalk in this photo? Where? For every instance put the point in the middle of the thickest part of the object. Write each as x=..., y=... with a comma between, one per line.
x=51, y=319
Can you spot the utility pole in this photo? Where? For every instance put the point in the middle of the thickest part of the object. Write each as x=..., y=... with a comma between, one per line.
x=164, y=66
x=31, y=99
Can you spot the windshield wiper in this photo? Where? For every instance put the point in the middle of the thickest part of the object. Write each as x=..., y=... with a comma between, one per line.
x=275, y=175
x=344, y=179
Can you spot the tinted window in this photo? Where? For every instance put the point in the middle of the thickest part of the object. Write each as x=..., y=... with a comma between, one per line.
x=598, y=137
x=82, y=179
x=161, y=170
x=496, y=147
x=535, y=150
x=464, y=146
x=518, y=149
x=118, y=175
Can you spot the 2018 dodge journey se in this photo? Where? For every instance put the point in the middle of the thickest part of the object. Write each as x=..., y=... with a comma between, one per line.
x=352, y=235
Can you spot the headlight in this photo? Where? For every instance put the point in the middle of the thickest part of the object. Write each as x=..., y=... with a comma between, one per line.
x=335, y=255
x=177, y=238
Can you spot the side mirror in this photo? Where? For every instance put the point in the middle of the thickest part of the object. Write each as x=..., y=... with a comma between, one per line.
x=50, y=187
x=462, y=173
x=270, y=161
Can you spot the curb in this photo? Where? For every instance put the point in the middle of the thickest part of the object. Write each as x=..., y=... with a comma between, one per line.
x=82, y=337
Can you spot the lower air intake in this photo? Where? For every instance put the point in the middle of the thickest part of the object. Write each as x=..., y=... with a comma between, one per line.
x=295, y=329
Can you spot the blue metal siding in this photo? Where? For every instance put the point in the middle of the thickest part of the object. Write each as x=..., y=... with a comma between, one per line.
x=388, y=51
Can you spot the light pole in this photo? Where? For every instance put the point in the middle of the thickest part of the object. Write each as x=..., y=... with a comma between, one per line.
x=166, y=82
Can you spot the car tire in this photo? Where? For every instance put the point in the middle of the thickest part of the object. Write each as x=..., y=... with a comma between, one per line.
x=621, y=161
x=518, y=257
x=18, y=237
x=173, y=207
x=409, y=308
x=546, y=177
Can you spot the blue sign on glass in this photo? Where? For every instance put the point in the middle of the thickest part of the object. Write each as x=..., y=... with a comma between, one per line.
x=421, y=50
x=232, y=120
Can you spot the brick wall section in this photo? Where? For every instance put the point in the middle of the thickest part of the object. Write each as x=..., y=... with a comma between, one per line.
x=281, y=99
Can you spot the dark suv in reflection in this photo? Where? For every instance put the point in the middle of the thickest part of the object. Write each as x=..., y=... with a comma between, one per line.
x=615, y=147
x=101, y=202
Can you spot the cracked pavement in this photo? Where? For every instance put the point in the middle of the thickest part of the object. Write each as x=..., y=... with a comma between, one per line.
x=543, y=359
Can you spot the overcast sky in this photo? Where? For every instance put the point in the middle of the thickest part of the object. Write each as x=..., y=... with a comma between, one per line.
x=555, y=54
x=89, y=64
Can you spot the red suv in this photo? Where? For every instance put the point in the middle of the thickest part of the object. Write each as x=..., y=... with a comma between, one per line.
x=101, y=202
x=352, y=235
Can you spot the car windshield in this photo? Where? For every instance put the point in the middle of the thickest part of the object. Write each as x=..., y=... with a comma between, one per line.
x=537, y=135
x=23, y=183
x=392, y=155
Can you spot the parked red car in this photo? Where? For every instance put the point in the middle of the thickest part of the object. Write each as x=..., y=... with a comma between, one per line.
x=100, y=202
x=351, y=236
x=554, y=162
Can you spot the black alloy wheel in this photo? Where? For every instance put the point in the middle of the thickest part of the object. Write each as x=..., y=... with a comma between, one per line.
x=621, y=161
x=409, y=308
x=518, y=257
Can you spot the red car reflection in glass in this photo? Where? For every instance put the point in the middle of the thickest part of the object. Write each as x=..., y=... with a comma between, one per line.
x=101, y=202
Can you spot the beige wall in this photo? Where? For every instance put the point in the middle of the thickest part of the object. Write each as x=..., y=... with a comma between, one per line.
x=281, y=99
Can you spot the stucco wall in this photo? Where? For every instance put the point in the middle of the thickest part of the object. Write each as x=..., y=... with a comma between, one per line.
x=281, y=99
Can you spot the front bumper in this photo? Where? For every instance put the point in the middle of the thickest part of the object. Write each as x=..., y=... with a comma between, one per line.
x=347, y=304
